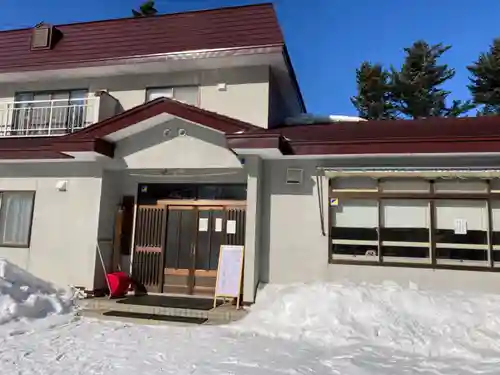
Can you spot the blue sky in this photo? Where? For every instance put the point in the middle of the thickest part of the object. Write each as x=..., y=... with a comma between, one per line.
x=327, y=39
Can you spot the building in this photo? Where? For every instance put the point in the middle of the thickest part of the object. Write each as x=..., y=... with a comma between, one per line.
x=123, y=134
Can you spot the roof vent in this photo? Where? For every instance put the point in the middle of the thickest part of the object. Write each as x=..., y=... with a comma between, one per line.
x=294, y=176
x=43, y=36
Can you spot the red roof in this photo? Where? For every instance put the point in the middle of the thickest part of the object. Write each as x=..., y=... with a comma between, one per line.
x=437, y=135
x=91, y=139
x=433, y=135
x=90, y=42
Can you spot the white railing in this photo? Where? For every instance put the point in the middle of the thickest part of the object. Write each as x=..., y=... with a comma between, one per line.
x=47, y=117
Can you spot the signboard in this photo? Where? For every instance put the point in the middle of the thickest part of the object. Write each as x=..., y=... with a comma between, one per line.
x=203, y=224
x=231, y=227
x=460, y=226
x=334, y=202
x=229, y=273
x=218, y=224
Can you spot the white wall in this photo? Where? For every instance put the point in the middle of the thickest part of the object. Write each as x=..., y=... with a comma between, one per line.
x=246, y=96
x=199, y=148
x=111, y=194
x=293, y=248
x=253, y=231
x=64, y=228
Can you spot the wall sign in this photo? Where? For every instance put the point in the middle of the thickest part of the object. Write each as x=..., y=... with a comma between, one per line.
x=334, y=201
x=231, y=227
x=218, y=224
x=203, y=224
x=460, y=226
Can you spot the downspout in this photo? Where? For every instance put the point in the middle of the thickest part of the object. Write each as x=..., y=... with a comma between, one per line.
x=319, y=187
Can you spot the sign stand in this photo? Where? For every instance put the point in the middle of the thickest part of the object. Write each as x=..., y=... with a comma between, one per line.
x=229, y=273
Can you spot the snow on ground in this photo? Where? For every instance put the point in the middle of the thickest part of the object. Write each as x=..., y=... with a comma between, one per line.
x=23, y=296
x=322, y=329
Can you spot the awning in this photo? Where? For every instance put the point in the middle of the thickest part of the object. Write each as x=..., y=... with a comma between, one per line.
x=415, y=173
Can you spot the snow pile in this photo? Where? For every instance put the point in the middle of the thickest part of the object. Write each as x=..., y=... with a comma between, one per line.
x=309, y=119
x=388, y=315
x=23, y=296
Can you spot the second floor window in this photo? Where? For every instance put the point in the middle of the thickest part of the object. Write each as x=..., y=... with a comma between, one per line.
x=49, y=112
x=185, y=94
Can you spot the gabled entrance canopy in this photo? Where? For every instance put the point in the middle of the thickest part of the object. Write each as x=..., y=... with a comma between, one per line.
x=100, y=139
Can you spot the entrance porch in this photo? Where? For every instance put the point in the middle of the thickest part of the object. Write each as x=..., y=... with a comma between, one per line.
x=177, y=243
x=171, y=228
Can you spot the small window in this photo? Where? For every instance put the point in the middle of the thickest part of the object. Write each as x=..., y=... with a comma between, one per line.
x=16, y=211
x=41, y=37
x=185, y=94
x=294, y=176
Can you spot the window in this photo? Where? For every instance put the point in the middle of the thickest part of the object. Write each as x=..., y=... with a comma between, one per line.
x=354, y=229
x=185, y=94
x=16, y=211
x=50, y=112
x=463, y=245
x=439, y=223
x=404, y=230
x=151, y=193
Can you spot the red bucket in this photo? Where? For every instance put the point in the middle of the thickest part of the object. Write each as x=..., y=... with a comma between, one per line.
x=119, y=283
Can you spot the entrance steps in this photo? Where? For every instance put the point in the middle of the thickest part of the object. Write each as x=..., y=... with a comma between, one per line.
x=160, y=309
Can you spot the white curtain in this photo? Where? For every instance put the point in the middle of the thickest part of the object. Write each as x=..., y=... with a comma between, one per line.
x=15, y=218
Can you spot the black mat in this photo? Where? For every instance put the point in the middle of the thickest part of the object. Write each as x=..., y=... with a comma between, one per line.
x=163, y=318
x=204, y=304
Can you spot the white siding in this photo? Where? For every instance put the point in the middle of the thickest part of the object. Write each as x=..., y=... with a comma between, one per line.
x=199, y=148
x=293, y=247
x=64, y=227
x=246, y=96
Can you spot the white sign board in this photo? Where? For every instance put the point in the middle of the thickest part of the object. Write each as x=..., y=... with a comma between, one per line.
x=231, y=227
x=203, y=225
x=460, y=226
x=218, y=224
x=230, y=271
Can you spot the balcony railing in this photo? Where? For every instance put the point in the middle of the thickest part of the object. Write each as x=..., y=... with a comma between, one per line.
x=47, y=117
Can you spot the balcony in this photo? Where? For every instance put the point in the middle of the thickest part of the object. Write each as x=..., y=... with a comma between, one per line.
x=47, y=117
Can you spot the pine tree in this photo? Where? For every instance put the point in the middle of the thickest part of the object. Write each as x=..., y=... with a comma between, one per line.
x=416, y=87
x=145, y=10
x=485, y=80
x=372, y=100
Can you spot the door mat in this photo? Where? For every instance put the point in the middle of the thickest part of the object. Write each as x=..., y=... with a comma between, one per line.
x=163, y=318
x=203, y=304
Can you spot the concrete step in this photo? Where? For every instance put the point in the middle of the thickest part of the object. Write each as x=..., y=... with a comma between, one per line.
x=139, y=318
x=108, y=307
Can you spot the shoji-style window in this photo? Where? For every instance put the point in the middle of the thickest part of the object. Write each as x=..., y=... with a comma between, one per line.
x=461, y=232
x=354, y=225
x=435, y=223
x=404, y=230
